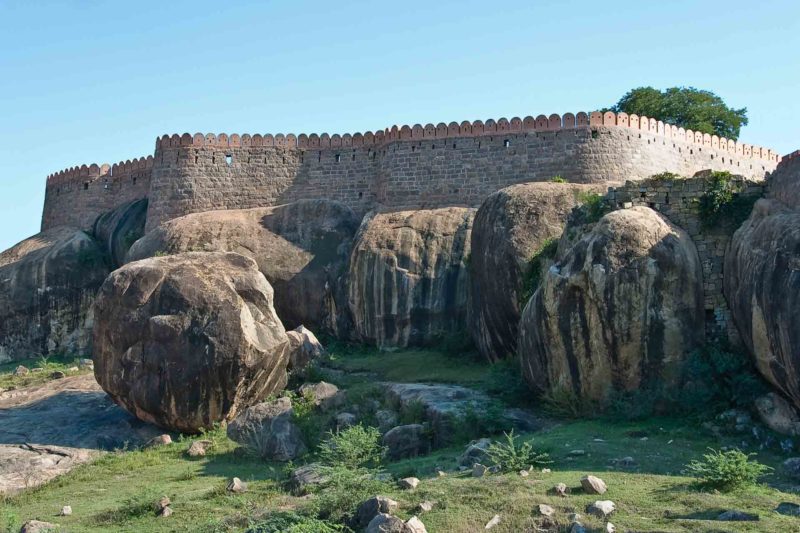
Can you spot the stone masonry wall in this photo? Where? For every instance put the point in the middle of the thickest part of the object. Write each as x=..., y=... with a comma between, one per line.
x=431, y=166
x=77, y=196
x=679, y=201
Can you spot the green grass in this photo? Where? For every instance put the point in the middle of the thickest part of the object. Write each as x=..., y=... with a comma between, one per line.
x=47, y=365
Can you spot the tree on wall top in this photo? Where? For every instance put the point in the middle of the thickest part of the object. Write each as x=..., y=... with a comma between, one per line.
x=685, y=107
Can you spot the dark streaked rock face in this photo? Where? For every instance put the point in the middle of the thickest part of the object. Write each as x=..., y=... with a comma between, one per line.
x=302, y=249
x=762, y=286
x=408, y=281
x=188, y=340
x=117, y=230
x=510, y=228
x=618, y=310
x=47, y=287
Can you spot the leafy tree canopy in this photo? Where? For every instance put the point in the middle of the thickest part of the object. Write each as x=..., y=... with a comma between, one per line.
x=685, y=107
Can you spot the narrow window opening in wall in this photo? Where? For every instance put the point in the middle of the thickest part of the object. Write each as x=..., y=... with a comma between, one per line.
x=195, y=160
x=134, y=180
x=642, y=194
x=360, y=195
x=433, y=147
x=712, y=156
x=338, y=158
x=691, y=152
x=666, y=198
x=738, y=163
x=354, y=157
x=413, y=148
x=86, y=186
x=710, y=315
x=680, y=150
x=506, y=143
x=479, y=145
x=454, y=146
x=751, y=167
x=629, y=137
x=58, y=192
x=651, y=205
x=228, y=159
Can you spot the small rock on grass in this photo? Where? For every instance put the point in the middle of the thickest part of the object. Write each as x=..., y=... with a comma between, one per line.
x=58, y=374
x=21, y=370
x=425, y=507
x=65, y=511
x=161, y=440
x=788, y=509
x=37, y=526
x=165, y=512
x=409, y=483
x=593, y=485
x=561, y=490
x=479, y=470
x=163, y=502
x=415, y=525
x=545, y=510
x=610, y=528
x=199, y=448
x=493, y=522
x=386, y=523
x=369, y=509
x=601, y=508
x=737, y=516
x=236, y=485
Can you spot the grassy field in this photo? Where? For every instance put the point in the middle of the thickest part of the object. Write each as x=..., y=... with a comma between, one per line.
x=40, y=371
x=116, y=492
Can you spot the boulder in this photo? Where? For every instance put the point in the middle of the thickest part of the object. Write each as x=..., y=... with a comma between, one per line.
x=37, y=526
x=476, y=452
x=267, y=430
x=188, y=340
x=199, y=448
x=512, y=233
x=415, y=525
x=762, y=287
x=386, y=523
x=409, y=440
x=303, y=348
x=408, y=483
x=593, y=485
x=324, y=395
x=601, y=508
x=371, y=508
x=619, y=310
x=306, y=476
x=408, y=281
x=301, y=248
x=791, y=467
x=118, y=229
x=778, y=414
x=236, y=485
x=48, y=283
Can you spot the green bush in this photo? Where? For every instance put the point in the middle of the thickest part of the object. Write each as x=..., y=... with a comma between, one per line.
x=558, y=179
x=563, y=402
x=354, y=447
x=594, y=206
x=533, y=276
x=727, y=471
x=666, y=176
x=723, y=204
x=291, y=522
x=513, y=457
x=337, y=498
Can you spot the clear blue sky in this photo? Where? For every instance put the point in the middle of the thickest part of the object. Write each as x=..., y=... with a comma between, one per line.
x=97, y=81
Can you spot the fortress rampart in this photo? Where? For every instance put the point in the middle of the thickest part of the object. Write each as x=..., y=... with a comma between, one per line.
x=398, y=168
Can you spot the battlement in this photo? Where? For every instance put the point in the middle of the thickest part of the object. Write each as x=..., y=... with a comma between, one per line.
x=476, y=128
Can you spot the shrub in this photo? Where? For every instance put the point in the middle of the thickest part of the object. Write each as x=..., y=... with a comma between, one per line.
x=666, y=176
x=722, y=202
x=291, y=522
x=308, y=420
x=533, y=275
x=338, y=497
x=594, y=206
x=558, y=179
x=727, y=470
x=354, y=447
x=513, y=457
x=563, y=402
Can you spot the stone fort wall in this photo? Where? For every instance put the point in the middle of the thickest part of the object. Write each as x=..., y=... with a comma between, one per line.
x=399, y=168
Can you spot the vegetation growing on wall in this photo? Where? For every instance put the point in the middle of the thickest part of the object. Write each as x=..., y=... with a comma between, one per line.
x=723, y=204
x=533, y=276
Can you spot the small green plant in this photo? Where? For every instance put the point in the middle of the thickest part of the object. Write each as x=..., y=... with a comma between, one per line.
x=723, y=203
x=666, y=176
x=533, y=276
x=558, y=179
x=305, y=416
x=292, y=522
x=594, y=206
x=412, y=413
x=160, y=253
x=354, y=447
x=511, y=456
x=342, y=490
x=727, y=471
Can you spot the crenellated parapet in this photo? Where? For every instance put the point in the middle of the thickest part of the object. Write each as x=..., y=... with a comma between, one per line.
x=477, y=128
x=89, y=173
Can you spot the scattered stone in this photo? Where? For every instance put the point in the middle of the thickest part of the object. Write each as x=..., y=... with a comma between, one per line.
x=625, y=462
x=21, y=370
x=561, y=490
x=524, y=473
x=306, y=476
x=441, y=473
x=425, y=507
x=493, y=522
x=236, y=485
x=737, y=516
x=546, y=471
x=545, y=510
x=601, y=508
x=267, y=429
x=610, y=528
x=372, y=507
x=574, y=517
x=495, y=469
x=476, y=452
x=325, y=395
x=577, y=527
x=792, y=467
x=37, y=370
x=788, y=509
x=37, y=526
x=409, y=483
x=162, y=504
x=593, y=485
x=577, y=453
x=58, y=374
x=410, y=440
x=73, y=369
x=161, y=440
x=778, y=414
x=386, y=523
x=65, y=511
x=345, y=420
x=199, y=448
x=386, y=419
x=415, y=525
x=479, y=470
x=165, y=512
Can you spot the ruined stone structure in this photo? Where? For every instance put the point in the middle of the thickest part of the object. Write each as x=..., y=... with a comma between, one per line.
x=399, y=168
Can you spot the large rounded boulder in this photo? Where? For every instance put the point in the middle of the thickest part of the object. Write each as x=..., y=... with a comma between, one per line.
x=408, y=281
x=47, y=286
x=301, y=248
x=513, y=232
x=119, y=228
x=762, y=286
x=619, y=309
x=188, y=340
